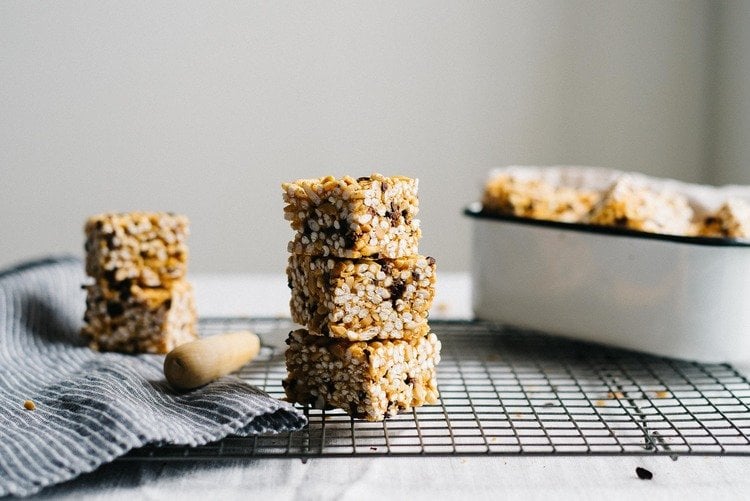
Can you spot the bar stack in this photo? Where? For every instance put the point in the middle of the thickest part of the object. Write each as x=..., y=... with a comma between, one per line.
x=140, y=300
x=363, y=292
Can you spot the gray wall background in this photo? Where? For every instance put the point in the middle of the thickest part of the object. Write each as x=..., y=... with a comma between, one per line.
x=206, y=107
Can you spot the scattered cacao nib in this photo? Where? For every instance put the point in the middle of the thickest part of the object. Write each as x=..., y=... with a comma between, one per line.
x=363, y=178
x=643, y=473
x=383, y=186
x=621, y=221
x=394, y=218
x=109, y=276
x=431, y=260
x=168, y=303
x=110, y=239
x=397, y=290
x=115, y=308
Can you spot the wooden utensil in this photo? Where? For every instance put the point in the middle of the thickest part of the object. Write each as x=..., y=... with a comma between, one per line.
x=199, y=362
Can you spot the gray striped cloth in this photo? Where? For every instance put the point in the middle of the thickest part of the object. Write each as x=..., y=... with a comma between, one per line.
x=93, y=407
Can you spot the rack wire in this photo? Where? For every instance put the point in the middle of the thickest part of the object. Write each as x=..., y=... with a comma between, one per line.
x=509, y=392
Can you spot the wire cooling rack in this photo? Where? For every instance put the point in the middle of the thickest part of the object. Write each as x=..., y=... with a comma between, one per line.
x=507, y=392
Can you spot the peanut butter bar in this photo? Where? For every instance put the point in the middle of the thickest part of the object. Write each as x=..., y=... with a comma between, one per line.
x=133, y=319
x=732, y=220
x=371, y=216
x=628, y=204
x=148, y=249
x=367, y=379
x=537, y=199
x=362, y=299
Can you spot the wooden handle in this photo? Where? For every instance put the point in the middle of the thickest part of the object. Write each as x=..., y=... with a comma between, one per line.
x=194, y=364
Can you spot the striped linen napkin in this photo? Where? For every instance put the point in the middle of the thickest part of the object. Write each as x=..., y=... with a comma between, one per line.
x=92, y=407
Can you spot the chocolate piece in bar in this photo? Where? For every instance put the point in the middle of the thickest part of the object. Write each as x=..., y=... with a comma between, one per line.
x=367, y=379
x=148, y=249
x=362, y=299
x=732, y=220
x=139, y=320
x=372, y=216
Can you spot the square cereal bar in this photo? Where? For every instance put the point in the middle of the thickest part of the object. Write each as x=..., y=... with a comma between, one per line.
x=148, y=249
x=362, y=299
x=139, y=320
x=537, y=199
x=371, y=216
x=630, y=204
x=370, y=380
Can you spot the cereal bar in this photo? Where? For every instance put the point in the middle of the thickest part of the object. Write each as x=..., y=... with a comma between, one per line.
x=133, y=319
x=372, y=216
x=362, y=299
x=628, y=204
x=534, y=198
x=370, y=380
x=148, y=249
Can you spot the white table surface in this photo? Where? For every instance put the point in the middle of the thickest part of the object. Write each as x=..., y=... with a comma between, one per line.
x=384, y=477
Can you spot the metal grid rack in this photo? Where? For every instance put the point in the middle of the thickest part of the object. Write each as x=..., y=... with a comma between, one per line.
x=506, y=392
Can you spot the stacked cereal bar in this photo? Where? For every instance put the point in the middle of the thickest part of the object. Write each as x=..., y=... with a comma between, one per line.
x=362, y=299
x=363, y=292
x=372, y=217
x=367, y=379
x=140, y=301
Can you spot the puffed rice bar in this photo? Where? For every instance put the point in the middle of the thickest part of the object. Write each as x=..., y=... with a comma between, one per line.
x=372, y=216
x=148, y=249
x=362, y=299
x=628, y=204
x=534, y=198
x=139, y=320
x=369, y=380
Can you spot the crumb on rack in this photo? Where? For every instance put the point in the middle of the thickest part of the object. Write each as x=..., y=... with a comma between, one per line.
x=29, y=405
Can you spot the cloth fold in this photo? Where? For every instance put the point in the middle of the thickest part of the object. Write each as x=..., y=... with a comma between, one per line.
x=91, y=407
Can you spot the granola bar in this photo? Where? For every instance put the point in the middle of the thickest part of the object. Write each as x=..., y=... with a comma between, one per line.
x=628, y=204
x=731, y=220
x=369, y=380
x=362, y=299
x=534, y=198
x=133, y=319
x=148, y=249
x=372, y=216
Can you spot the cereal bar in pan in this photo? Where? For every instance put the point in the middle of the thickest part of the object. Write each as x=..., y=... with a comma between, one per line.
x=133, y=319
x=148, y=249
x=362, y=299
x=372, y=216
x=368, y=380
x=629, y=204
x=537, y=199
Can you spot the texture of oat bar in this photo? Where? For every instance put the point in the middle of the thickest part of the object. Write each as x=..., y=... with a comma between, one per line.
x=367, y=379
x=148, y=249
x=372, y=216
x=537, y=199
x=139, y=320
x=362, y=299
x=628, y=204
x=732, y=220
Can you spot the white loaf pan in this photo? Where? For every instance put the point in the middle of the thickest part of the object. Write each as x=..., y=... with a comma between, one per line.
x=683, y=297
